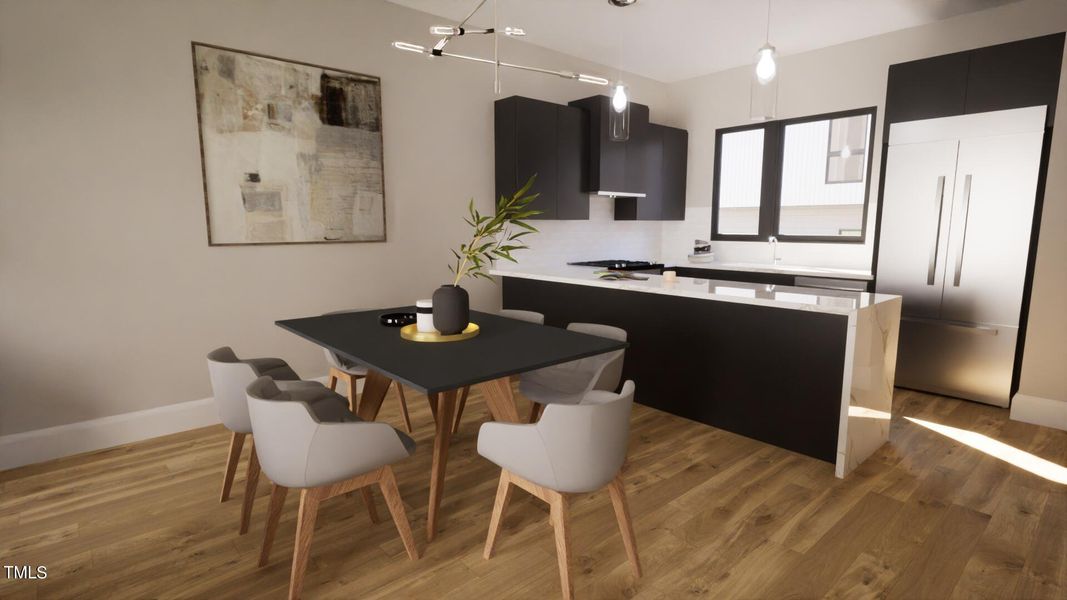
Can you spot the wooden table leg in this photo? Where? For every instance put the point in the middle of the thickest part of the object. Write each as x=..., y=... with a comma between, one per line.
x=446, y=407
x=374, y=389
x=500, y=400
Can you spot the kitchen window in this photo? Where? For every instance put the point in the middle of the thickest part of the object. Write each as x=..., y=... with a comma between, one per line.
x=804, y=179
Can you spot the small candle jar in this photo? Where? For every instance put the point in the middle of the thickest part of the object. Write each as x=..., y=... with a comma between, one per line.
x=670, y=276
x=424, y=316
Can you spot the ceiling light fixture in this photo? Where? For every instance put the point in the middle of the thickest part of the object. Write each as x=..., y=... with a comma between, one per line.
x=619, y=115
x=452, y=31
x=763, y=103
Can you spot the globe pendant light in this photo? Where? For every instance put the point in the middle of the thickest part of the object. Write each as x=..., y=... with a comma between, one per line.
x=763, y=102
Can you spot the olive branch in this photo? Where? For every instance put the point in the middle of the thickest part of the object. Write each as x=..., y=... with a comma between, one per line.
x=497, y=236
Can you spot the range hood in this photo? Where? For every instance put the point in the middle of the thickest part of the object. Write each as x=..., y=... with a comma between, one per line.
x=615, y=169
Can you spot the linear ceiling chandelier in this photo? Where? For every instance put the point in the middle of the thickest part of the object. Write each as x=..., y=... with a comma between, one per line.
x=449, y=31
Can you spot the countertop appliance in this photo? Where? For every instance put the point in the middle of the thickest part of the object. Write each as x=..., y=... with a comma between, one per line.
x=622, y=265
x=957, y=217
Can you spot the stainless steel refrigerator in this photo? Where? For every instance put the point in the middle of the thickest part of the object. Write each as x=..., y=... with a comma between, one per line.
x=957, y=218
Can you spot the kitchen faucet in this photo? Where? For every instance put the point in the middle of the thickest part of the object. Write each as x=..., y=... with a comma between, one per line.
x=773, y=241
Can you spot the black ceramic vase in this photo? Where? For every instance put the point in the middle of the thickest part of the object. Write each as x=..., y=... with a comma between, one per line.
x=451, y=309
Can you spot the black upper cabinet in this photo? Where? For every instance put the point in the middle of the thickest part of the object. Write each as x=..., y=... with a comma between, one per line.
x=666, y=156
x=536, y=137
x=571, y=201
x=1015, y=75
x=675, y=171
x=1001, y=77
x=614, y=166
x=928, y=88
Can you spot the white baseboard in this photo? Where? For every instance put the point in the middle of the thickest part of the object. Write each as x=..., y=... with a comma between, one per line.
x=1039, y=411
x=39, y=445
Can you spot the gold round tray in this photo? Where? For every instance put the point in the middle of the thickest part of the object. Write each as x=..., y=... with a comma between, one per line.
x=411, y=332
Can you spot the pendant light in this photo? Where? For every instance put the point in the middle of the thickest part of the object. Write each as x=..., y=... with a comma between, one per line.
x=763, y=102
x=619, y=115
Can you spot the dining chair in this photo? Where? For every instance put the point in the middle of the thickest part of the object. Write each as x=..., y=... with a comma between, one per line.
x=342, y=369
x=230, y=376
x=512, y=313
x=323, y=455
x=568, y=383
x=573, y=449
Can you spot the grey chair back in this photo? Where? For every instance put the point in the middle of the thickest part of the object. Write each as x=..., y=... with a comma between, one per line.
x=229, y=378
x=573, y=448
x=586, y=443
x=523, y=315
x=605, y=369
x=298, y=450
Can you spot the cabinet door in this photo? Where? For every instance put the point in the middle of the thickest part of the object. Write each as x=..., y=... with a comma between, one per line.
x=1015, y=75
x=675, y=171
x=571, y=201
x=638, y=149
x=927, y=88
x=917, y=204
x=535, y=152
x=992, y=219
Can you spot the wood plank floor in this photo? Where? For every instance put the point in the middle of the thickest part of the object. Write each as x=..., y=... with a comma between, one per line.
x=716, y=516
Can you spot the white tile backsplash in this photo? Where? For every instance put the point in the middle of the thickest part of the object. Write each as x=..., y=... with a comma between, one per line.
x=602, y=237
x=599, y=238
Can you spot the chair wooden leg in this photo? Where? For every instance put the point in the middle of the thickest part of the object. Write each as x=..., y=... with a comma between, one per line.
x=617, y=490
x=459, y=408
x=274, y=514
x=559, y=510
x=535, y=412
x=332, y=381
x=503, y=497
x=368, y=499
x=396, y=508
x=251, y=482
x=237, y=442
x=404, y=406
x=305, y=529
x=353, y=402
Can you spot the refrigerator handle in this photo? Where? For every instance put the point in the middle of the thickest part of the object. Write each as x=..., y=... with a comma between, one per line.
x=963, y=236
x=939, y=201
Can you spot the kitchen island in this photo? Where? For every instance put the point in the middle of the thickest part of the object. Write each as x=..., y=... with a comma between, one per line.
x=810, y=370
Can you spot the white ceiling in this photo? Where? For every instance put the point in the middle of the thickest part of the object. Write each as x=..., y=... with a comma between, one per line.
x=670, y=40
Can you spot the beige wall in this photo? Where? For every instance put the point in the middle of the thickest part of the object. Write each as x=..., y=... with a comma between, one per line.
x=853, y=75
x=109, y=293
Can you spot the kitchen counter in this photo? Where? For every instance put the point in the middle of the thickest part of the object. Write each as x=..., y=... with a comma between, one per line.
x=806, y=369
x=787, y=297
x=801, y=270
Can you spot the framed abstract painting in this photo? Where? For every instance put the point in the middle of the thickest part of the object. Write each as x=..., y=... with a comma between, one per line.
x=291, y=152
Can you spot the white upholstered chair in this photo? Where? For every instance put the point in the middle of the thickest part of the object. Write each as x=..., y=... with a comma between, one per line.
x=568, y=383
x=573, y=449
x=323, y=455
x=230, y=376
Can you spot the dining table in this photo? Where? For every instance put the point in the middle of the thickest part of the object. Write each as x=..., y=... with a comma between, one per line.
x=502, y=348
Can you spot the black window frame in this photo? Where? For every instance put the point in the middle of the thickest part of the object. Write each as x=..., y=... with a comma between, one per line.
x=770, y=184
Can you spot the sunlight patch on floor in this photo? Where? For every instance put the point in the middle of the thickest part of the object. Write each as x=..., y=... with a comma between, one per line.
x=1009, y=454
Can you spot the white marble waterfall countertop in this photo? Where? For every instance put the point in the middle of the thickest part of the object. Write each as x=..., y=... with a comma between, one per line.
x=788, y=297
x=830, y=272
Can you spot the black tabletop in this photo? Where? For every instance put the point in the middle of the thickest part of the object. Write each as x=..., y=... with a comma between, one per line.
x=504, y=347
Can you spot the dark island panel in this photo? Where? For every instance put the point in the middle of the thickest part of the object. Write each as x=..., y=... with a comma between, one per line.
x=771, y=374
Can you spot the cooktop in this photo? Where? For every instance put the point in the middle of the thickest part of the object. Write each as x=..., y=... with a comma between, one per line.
x=620, y=265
